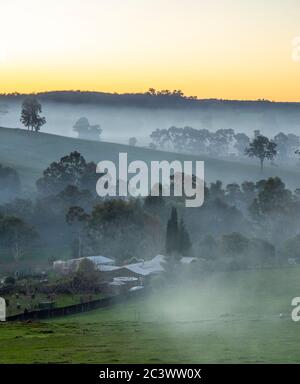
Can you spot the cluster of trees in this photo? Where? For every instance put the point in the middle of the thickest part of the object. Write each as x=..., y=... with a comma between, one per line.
x=263, y=209
x=237, y=251
x=262, y=106
x=150, y=99
x=235, y=223
x=33, y=121
x=72, y=170
x=87, y=131
x=176, y=93
x=132, y=141
x=16, y=236
x=85, y=279
x=225, y=143
x=118, y=228
x=68, y=210
x=191, y=140
x=10, y=185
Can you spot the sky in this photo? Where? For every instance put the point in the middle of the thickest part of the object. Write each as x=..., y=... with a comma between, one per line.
x=230, y=49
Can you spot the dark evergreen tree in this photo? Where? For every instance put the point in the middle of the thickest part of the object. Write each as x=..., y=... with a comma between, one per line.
x=172, y=233
x=184, y=242
x=177, y=238
x=71, y=170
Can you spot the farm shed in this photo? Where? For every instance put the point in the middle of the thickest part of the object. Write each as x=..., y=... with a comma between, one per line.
x=71, y=265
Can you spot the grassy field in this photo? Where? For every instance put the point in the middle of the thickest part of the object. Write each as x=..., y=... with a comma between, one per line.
x=234, y=317
x=36, y=151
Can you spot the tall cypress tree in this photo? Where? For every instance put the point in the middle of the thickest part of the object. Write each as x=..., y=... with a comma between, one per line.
x=184, y=242
x=172, y=233
x=177, y=238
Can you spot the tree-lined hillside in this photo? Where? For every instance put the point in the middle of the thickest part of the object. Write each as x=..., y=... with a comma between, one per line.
x=30, y=154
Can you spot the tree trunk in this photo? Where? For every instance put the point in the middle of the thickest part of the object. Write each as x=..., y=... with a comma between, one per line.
x=261, y=165
x=16, y=251
x=79, y=245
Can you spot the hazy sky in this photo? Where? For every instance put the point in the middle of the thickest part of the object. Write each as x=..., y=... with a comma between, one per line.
x=215, y=48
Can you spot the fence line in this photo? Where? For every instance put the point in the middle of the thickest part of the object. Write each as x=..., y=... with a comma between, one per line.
x=74, y=309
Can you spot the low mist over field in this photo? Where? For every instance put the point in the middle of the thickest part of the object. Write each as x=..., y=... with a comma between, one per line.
x=138, y=115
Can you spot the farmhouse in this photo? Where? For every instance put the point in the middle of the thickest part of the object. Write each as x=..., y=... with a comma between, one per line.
x=188, y=260
x=127, y=275
x=148, y=267
x=127, y=282
x=119, y=278
x=106, y=264
x=71, y=265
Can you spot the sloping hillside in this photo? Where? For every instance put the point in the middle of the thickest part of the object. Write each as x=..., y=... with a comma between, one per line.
x=31, y=153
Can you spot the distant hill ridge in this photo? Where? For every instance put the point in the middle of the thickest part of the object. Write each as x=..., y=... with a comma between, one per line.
x=160, y=99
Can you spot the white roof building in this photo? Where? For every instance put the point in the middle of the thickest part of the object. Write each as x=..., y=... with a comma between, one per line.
x=188, y=260
x=107, y=268
x=69, y=265
x=145, y=268
x=100, y=260
x=136, y=288
x=106, y=264
x=123, y=280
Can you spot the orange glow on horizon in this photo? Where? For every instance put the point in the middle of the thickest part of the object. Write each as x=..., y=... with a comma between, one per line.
x=222, y=49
